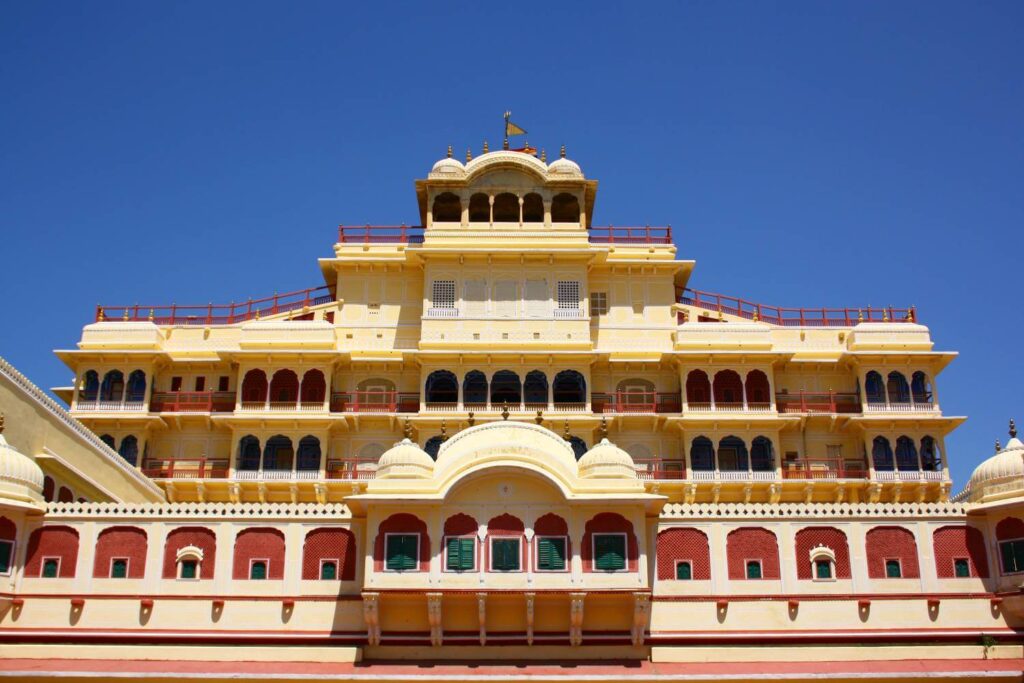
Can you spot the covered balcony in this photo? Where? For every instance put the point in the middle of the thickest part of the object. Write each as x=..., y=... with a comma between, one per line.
x=810, y=403
x=192, y=402
x=824, y=468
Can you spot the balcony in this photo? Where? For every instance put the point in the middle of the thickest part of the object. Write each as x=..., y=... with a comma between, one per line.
x=909, y=406
x=792, y=317
x=192, y=402
x=645, y=235
x=625, y=402
x=203, y=469
x=218, y=314
x=824, y=469
x=811, y=403
x=659, y=469
x=351, y=469
x=100, y=406
x=277, y=475
x=908, y=475
x=375, y=402
x=186, y=469
x=728, y=407
x=733, y=475
x=310, y=407
x=380, y=234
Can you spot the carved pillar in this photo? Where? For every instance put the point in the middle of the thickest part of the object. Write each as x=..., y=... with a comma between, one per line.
x=641, y=617
x=481, y=612
x=530, y=599
x=371, y=615
x=434, y=618
x=576, y=618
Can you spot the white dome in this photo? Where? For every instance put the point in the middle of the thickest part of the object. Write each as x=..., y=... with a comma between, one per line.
x=1001, y=475
x=21, y=478
x=405, y=460
x=606, y=461
x=565, y=167
x=448, y=168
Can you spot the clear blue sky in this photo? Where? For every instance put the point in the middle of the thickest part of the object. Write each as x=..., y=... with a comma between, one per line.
x=806, y=153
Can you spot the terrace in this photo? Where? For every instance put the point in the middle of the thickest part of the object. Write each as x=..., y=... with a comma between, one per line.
x=791, y=317
x=405, y=234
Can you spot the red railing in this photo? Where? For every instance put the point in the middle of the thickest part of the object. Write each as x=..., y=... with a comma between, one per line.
x=353, y=468
x=660, y=469
x=192, y=402
x=219, y=314
x=186, y=469
x=637, y=402
x=826, y=402
x=375, y=402
x=796, y=317
x=380, y=234
x=824, y=468
x=646, y=235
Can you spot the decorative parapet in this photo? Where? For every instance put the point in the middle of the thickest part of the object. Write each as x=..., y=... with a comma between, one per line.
x=276, y=334
x=122, y=335
x=723, y=336
x=831, y=511
x=222, y=511
x=890, y=336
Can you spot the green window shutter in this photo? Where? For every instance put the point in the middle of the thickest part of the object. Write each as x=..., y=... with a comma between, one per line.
x=1018, y=556
x=119, y=569
x=823, y=569
x=551, y=554
x=50, y=568
x=753, y=570
x=401, y=552
x=6, y=548
x=609, y=552
x=684, y=571
x=961, y=569
x=328, y=571
x=460, y=554
x=1006, y=552
x=505, y=554
x=892, y=569
x=258, y=571
x=188, y=569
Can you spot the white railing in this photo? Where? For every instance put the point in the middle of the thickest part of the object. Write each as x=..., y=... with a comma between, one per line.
x=312, y=407
x=568, y=313
x=907, y=475
x=569, y=408
x=699, y=475
x=728, y=408
x=111, y=406
x=925, y=407
x=276, y=475
x=435, y=407
x=442, y=313
x=932, y=476
x=703, y=475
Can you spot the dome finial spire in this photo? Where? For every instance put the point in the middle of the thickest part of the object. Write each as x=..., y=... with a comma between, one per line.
x=562, y=153
x=449, y=151
x=1, y=423
x=999, y=446
x=1013, y=429
x=408, y=429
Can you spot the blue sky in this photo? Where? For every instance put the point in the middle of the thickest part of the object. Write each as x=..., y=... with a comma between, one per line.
x=806, y=153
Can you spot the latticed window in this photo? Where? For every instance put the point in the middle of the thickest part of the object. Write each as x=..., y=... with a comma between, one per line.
x=461, y=553
x=1012, y=554
x=609, y=552
x=598, y=303
x=505, y=554
x=401, y=552
x=444, y=294
x=568, y=294
x=550, y=553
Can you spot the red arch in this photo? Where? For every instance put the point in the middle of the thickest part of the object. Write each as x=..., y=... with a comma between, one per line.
x=65, y=495
x=609, y=522
x=460, y=525
x=314, y=387
x=127, y=542
x=758, y=389
x=551, y=525
x=401, y=523
x=809, y=538
x=336, y=544
x=284, y=387
x=891, y=543
x=48, y=488
x=728, y=388
x=53, y=541
x=698, y=387
x=1010, y=527
x=959, y=542
x=200, y=537
x=259, y=544
x=8, y=530
x=683, y=544
x=752, y=543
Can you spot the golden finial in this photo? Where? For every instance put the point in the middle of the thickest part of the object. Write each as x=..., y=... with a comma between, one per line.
x=444, y=431
x=485, y=146
x=407, y=429
x=99, y=313
x=999, y=446
x=567, y=436
x=1013, y=429
x=472, y=420
x=755, y=317
x=910, y=314
x=540, y=417
x=257, y=316
x=885, y=315
x=151, y=316
x=504, y=410
x=562, y=153
x=720, y=317
x=469, y=154
x=860, y=315
x=1, y=423
x=602, y=431
x=125, y=315
x=504, y=145
x=543, y=156
x=449, y=151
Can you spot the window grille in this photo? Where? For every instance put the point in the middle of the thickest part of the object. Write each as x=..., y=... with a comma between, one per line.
x=444, y=294
x=599, y=303
x=568, y=294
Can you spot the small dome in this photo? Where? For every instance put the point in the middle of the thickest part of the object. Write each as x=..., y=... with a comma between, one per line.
x=565, y=167
x=1000, y=476
x=405, y=460
x=448, y=168
x=21, y=478
x=606, y=461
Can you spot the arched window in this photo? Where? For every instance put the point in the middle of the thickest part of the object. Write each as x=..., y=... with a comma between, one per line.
x=136, y=387
x=533, y=208
x=822, y=553
x=314, y=387
x=506, y=208
x=447, y=208
x=899, y=390
x=329, y=554
x=49, y=486
x=881, y=454
x=505, y=387
x=52, y=552
x=90, y=387
x=254, y=387
x=284, y=388
x=129, y=449
x=433, y=446
x=732, y=455
x=906, y=454
x=684, y=554
x=578, y=445
x=752, y=553
x=758, y=393
x=728, y=388
x=190, y=553
x=109, y=440
x=761, y=456
x=479, y=208
x=441, y=387
x=65, y=495
x=569, y=386
x=249, y=453
x=112, y=388
x=308, y=457
x=474, y=389
x=635, y=395
x=565, y=208
x=698, y=389
x=120, y=553
x=259, y=554
x=959, y=552
x=891, y=553
x=702, y=455
x=278, y=453
x=931, y=458
x=874, y=388
x=535, y=389
x=921, y=388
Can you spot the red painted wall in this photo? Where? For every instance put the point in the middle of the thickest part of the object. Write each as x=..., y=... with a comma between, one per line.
x=53, y=541
x=1009, y=528
x=889, y=543
x=955, y=542
x=120, y=541
x=402, y=523
x=65, y=495
x=329, y=544
x=201, y=538
x=683, y=544
x=752, y=543
x=608, y=522
x=505, y=526
x=460, y=525
x=812, y=537
x=8, y=529
x=259, y=544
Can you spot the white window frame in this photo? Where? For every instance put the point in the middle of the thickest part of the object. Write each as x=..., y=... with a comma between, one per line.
x=10, y=568
x=746, y=567
x=42, y=565
x=188, y=558
x=823, y=552
x=999, y=555
x=593, y=552
x=490, y=553
x=337, y=569
x=254, y=560
x=970, y=574
x=675, y=569
x=444, y=554
x=384, y=560
x=536, y=555
x=127, y=567
x=885, y=567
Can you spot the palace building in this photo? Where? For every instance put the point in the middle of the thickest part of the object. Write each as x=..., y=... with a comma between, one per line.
x=505, y=436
